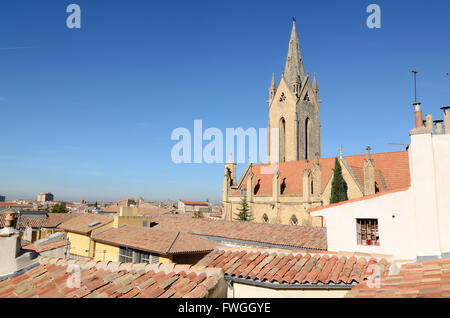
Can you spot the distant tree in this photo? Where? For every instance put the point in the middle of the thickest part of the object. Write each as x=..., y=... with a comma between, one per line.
x=338, y=186
x=244, y=211
x=59, y=208
x=198, y=215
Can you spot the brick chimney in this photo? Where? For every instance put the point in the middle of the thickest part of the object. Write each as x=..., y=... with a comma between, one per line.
x=418, y=115
x=419, y=122
x=369, y=174
x=429, y=121
x=446, y=110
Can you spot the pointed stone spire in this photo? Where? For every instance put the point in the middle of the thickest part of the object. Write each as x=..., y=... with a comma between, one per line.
x=273, y=85
x=273, y=88
x=315, y=86
x=294, y=63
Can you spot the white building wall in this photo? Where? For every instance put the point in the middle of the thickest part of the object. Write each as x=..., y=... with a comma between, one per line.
x=395, y=226
x=414, y=223
x=441, y=149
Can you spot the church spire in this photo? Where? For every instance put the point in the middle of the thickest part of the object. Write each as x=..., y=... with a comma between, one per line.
x=294, y=64
x=315, y=86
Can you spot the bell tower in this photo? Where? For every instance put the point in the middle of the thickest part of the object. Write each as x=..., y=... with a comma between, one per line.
x=294, y=110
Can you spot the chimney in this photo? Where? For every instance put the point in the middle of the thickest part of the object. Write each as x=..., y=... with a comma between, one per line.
x=10, y=245
x=418, y=115
x=446, y=110
x=438, y=126
x=429, y=121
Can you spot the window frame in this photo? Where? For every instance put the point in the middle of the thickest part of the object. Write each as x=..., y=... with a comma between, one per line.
x=367, y=230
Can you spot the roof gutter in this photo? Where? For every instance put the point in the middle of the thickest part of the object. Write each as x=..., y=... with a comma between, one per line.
x=320, y=286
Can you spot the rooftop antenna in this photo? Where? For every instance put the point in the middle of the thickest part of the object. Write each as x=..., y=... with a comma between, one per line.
x=415, y=85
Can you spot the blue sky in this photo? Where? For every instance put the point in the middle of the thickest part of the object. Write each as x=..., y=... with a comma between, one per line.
x=88, y=113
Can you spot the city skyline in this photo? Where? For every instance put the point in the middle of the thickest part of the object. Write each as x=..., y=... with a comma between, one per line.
x=92, y=109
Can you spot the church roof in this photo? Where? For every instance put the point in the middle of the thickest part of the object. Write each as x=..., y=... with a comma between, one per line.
x=391, y=172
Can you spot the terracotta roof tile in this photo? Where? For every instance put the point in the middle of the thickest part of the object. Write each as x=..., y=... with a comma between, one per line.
x=50, y=280
x=418, y=280
x=81, y=223
x=288, y=267
x=305, y=237
x=156, y=240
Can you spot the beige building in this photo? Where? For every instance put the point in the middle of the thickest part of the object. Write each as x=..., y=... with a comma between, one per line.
x=298, y=178
x=45, y=197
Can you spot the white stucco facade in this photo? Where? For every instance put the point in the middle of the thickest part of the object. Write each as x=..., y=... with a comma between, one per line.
x=413, y=223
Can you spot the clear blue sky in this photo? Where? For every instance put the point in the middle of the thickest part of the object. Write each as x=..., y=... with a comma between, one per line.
x=87, y=114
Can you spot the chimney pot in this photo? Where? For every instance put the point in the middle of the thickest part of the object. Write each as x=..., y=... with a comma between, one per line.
x=418, y=115
x=438, y=126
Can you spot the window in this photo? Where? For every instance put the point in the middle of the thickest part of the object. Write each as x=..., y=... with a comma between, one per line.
x=243, y=191
x=265, y=218
x=294, y=220
x=141, y=257
x=367, y=232
x=155, y=259
x=126, y=255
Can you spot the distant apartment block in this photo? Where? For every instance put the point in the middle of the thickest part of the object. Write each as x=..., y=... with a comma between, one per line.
x=193, y=206
x=2, y=198
x=45, y=196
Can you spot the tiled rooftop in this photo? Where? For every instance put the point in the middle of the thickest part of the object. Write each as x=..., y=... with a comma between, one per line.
x=194, y=202
x=156, y=240
x=52, y=220
x=304, y=237
x=81, y=222
x=415, y=280
x=285, y=267
x=46, y=247
x=394, y=167
x=111, y=280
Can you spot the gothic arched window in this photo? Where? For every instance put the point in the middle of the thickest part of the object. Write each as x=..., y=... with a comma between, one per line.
x=265, y=218
x=306, y=138
x=294, y=220
x=282, y=140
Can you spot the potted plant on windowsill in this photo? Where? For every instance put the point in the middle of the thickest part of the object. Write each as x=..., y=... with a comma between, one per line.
x=369, y=241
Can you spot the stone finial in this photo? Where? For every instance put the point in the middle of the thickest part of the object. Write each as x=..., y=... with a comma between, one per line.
x=368, y=151
x=230, y=159
x=340, y=152
x=316, y=155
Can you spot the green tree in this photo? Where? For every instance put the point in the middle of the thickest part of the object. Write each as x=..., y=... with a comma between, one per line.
x=338, y=186
x=198, y=214
x=59, y=208
x=244, y=211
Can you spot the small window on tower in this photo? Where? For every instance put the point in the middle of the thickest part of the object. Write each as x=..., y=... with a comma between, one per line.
x=265, y=218
x=294, y=220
